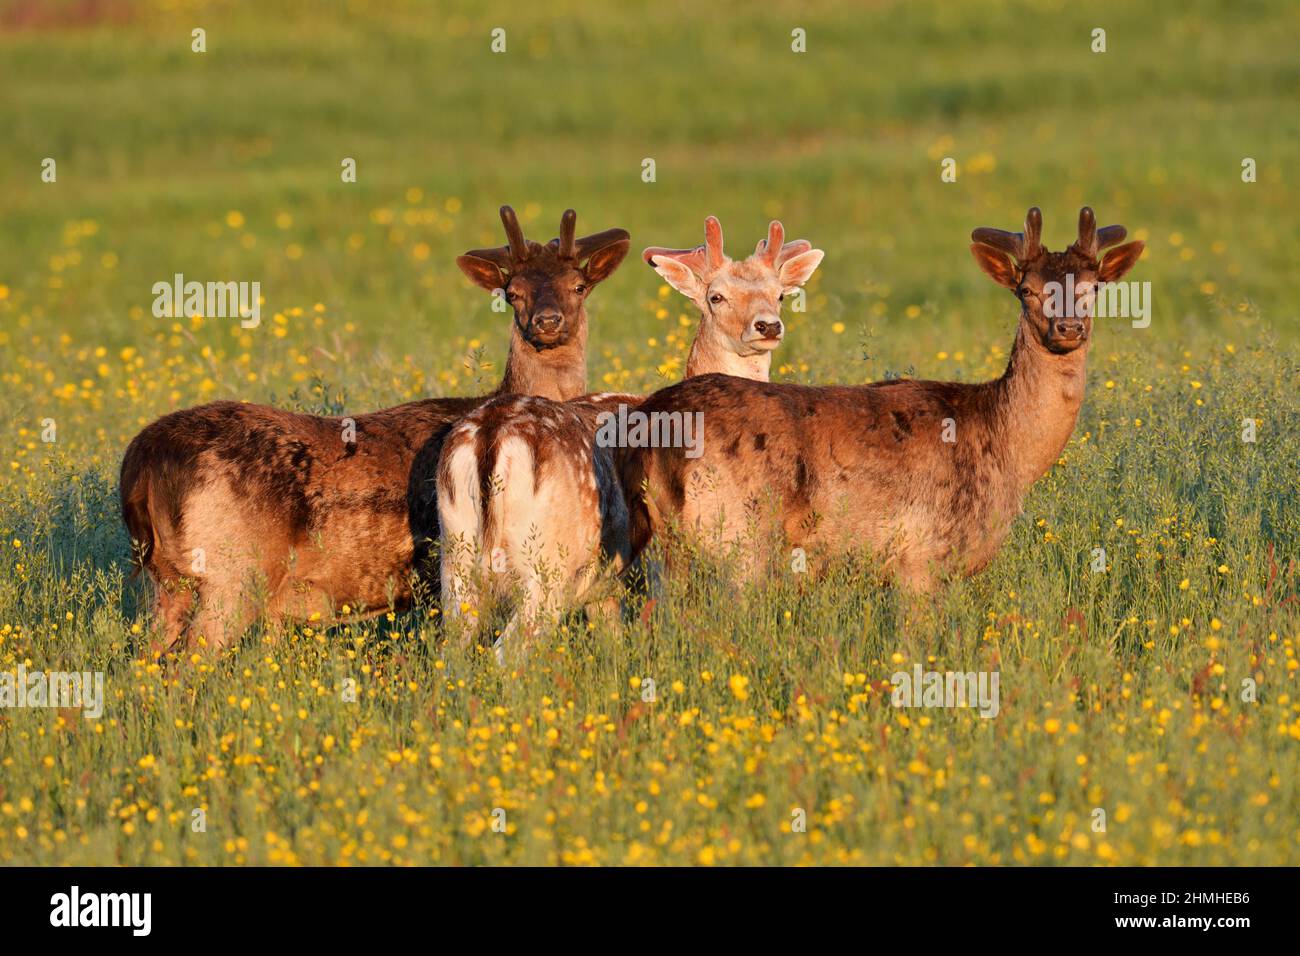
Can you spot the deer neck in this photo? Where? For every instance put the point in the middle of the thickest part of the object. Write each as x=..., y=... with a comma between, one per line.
x=558, y=373
x=1038, y=399
x=709, y=355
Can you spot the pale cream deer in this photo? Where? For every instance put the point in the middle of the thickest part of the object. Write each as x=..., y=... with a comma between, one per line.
x=528, y=496
x=928, y=476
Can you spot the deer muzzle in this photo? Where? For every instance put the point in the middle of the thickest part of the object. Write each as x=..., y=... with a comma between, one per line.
x=548, y=322
x=1068, y=330
x=765, y=331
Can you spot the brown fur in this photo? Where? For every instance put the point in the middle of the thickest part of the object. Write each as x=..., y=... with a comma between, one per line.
x=852, y=467
x=292, y=519
x=557, y=533
x=534, y=484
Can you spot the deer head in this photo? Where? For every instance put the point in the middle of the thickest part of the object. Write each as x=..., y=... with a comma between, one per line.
x=1061, y=327
x=547, y=285
x=739, y=302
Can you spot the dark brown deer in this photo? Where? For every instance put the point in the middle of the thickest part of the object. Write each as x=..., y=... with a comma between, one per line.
x=239, y=509
x=926, y=475
x=528, y=496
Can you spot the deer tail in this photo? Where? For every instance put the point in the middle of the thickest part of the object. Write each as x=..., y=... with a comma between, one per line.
x=134, y=491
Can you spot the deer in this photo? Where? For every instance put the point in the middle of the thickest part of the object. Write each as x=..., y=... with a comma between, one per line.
x=927, y=476
x=528, y=493
x=242, y=510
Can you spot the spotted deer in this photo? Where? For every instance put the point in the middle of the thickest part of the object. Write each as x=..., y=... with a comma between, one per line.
x=239, y=509
x=927, y=475
x=528, y=496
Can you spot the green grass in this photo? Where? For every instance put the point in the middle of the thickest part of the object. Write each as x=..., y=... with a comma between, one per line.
x=1119, y=690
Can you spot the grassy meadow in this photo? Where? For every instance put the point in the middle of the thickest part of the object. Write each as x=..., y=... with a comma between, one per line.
x=1121, y=690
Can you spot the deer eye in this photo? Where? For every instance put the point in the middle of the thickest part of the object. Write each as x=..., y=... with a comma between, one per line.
x=580, y=288
x=716, y=298
x=781, y=297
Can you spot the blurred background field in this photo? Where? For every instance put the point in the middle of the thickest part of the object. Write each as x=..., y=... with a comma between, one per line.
x=1121, y=690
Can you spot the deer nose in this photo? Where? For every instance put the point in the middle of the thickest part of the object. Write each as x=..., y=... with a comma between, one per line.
x=1069, y=328
x=768, y=328
x=548, y=321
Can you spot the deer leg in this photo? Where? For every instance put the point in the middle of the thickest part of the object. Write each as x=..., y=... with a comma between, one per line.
x=217, y=628
x=916, y=576
x=462, y=607
x=608, y=610
x=224, y=614
x=537, y=605
x=296, y=600
x=172, y=606
x=459, y=597
x=595, y=589
x=515, y=638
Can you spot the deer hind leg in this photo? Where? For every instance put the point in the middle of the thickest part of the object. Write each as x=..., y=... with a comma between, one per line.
x=224, y=614
x=228, y=601
x=598, y=588
x=173, y=604
x=233, y=594
x=296, y=600
x=461, y=546
x=916, y=572
x=231, y=554
x=601, y=597
x=526, y=622
x=918, y=581
x=559, y=580
x=538, y=606
x=461, y=573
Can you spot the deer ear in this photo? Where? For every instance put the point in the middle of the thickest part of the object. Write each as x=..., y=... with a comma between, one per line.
x=996, y=265
x=795, y=272
x=1119, y=260
x=602, y=263
x=481, y=272
x=678, y=275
